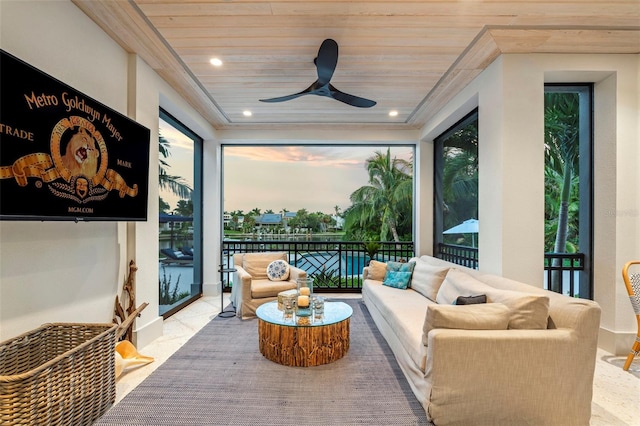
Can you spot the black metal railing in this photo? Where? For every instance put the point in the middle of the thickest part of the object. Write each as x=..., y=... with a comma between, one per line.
x=460, y=255
x=561, y=270
x=561, y=273
x=336, y=266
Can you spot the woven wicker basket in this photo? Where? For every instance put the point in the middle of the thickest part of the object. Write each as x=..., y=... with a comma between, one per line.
x=58, y=374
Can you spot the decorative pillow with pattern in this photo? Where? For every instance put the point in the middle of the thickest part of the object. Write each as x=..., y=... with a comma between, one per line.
x=400, y=267
x=397, y=279
x=278, y=270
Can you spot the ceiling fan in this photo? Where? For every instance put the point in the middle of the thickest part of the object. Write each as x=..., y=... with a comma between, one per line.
x=326, y=64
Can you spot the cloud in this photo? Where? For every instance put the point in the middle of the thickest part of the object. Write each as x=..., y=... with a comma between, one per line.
x=314, y=156
x=316, y=178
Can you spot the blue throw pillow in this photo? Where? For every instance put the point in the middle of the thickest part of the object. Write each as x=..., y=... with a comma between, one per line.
x=397, y=279
x=401, y=267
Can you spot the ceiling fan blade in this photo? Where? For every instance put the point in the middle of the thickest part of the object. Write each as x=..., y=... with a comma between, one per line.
x=326, y=61
x=306, y=91
x=355, y=101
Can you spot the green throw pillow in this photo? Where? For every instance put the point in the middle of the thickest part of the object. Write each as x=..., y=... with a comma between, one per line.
x=397, y=279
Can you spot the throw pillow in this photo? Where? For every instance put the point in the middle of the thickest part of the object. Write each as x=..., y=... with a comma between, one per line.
x=377, y=270
x=278, y=270
x=397, y=279
x=528, y=310
x=470, y=300
x=427, y=279
x=256, y=263
x=487, y=316
x=401, y=266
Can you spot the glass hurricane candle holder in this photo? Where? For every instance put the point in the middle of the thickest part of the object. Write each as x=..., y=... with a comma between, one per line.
x=303, y=302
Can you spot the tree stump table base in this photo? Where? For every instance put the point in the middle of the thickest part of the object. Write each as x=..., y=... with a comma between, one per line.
x=303, y=346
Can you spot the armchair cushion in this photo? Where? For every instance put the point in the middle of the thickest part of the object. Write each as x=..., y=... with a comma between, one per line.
x=261, y=289
x=256, y=263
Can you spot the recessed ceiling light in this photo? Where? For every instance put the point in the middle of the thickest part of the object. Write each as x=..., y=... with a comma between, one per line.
x=247, y=113
x=215, y=62
x=393, y=113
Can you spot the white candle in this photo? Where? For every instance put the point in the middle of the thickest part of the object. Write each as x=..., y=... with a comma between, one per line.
x=305, y=291
x=303, y=301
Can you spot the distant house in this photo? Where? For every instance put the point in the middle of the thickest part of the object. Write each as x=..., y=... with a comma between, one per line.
x=269, y=220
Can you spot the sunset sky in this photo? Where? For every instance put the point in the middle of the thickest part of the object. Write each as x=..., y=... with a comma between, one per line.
x=316, y=178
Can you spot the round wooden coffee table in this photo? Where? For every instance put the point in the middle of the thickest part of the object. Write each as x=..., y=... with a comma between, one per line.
x=303, y=341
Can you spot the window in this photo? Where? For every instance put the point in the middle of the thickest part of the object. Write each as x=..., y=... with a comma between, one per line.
x=180, y=221
x=456, y=193
x=568, y=188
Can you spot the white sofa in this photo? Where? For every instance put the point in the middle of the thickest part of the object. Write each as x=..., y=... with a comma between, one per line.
x=526, y=357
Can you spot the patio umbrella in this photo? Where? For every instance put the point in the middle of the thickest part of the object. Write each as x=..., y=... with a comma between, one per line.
x=469, y=226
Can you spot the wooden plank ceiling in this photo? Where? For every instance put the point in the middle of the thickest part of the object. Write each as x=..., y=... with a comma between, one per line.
x=408, y=56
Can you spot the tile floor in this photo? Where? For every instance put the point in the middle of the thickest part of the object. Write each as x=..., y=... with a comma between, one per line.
x=616, y=393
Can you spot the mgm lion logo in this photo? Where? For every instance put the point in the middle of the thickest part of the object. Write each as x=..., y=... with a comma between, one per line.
x=82, y=162
x=79, y=157
x=85, y=152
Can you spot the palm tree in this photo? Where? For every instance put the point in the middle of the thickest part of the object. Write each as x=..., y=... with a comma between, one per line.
x=562, y=156
x=175, y=184
x=387, y=198
x=460, y=175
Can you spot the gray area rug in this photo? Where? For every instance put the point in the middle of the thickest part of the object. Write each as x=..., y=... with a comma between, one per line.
x=219, y=377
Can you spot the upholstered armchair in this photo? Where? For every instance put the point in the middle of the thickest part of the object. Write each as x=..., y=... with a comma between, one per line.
x=251, y=284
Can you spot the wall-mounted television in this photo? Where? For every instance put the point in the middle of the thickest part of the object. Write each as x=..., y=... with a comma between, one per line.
x=64, y=155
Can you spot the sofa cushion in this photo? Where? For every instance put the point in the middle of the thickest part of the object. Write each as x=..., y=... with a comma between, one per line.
x=377, y=270
x=266, y=288
x=256, y=263
x=397, y=279
x=486, y=316
x=528, y=310
x=427, y=279
x=404, y=311
x=278, y=270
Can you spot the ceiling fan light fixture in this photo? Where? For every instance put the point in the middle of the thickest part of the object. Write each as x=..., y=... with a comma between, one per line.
x=216, y=62
x=393, y=113
x=247, y=113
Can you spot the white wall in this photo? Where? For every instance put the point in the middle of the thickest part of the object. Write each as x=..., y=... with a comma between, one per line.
x=509, y=97
x=51, y=271
x=63, y=271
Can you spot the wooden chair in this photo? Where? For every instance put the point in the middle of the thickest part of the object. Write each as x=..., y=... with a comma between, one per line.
x=631, y=276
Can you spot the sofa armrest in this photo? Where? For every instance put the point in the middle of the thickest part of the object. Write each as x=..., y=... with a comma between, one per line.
x=365, y=273
x=521, y=372
x=241, y=286
x=295, y=273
